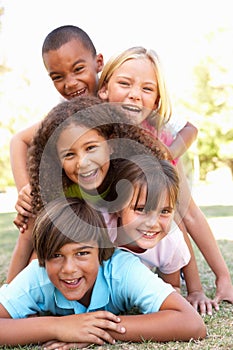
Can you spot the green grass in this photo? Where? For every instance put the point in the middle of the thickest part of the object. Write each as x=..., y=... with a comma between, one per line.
x=219, y=326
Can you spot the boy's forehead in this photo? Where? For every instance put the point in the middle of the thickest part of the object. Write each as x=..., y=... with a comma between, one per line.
x=79, y=245
x=73, y=49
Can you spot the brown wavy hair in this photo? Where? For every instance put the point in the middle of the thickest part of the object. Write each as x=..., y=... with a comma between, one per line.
x=47, y=178
x=69, y=220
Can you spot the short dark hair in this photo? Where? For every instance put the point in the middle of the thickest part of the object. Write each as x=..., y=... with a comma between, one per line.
x=68, y=220
x=61, y=35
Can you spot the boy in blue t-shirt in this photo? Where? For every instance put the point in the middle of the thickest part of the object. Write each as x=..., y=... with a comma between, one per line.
x=80, y=277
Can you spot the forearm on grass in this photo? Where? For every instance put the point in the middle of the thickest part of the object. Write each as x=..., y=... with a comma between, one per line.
x=176, y=320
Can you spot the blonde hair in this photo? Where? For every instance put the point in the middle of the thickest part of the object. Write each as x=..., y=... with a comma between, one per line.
x=164, y=109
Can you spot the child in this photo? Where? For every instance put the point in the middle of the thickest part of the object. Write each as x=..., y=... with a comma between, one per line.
x=73, y=145
x=76, y=265
x=72, y=63
x=135, y=79
x=62, y=158
x=23, y=205
x=145, y=224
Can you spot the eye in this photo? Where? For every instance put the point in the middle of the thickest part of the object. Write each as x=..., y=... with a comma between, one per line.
x=55, y=256
x=148, y=89
x=123, y=82
x=140, y=209
x=166, y=211
x=56, y=77
x=78, y=69
x=91, y=147
x=68, y=155
x=83, y=253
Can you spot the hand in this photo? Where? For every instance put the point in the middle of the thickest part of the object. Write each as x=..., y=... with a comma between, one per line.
x=224, y=290
x=54, y=344
x=202, y=303
x=23, y=204
x=90, y=327
x=21, y=222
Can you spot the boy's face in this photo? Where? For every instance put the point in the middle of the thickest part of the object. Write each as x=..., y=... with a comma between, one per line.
x=73, y=270
x=144, y=229
x=73, y=69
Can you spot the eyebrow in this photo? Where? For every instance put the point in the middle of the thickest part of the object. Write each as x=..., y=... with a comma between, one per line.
x=86, y=247
x=84, y=144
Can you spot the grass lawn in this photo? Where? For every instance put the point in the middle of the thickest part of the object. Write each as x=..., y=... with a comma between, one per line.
x=220, y=325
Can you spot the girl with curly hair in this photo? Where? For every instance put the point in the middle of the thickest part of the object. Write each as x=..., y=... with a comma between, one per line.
x=76, y=152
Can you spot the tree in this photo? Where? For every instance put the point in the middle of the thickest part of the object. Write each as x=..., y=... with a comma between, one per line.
x=213, y=100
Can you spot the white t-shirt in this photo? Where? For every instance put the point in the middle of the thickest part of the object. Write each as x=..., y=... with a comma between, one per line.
x=169, y=255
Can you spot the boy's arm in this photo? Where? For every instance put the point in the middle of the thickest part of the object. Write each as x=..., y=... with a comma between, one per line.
x=183, y=140
x=18, y=155
x=93, y=327
x=176, y=320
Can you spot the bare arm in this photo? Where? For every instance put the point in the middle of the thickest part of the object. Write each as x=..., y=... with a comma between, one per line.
x=18, y=155
x=92, y=327
x=176, y=320
x=198, y=228
x=172, y=278
x=22, y=252
x=183, y=140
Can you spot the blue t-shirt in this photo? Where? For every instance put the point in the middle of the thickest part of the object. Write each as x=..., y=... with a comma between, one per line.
x=123, y=282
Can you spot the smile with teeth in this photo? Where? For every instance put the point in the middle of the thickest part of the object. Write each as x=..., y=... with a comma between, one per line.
x=149, y=234
x=73, y=282
x=89, y=173
x=78, y=93
x=132, y=108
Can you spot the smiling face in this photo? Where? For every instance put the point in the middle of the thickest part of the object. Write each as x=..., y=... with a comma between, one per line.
x=73, y=270
x=84, y=155
x=73, y=69
x=135, y=85
x=143, y=229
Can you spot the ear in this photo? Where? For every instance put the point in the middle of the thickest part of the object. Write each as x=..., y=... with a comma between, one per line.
x=103, y=93
x=111, y=150
x=100, y=62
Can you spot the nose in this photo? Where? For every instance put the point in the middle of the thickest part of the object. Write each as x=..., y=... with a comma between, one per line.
x=83, y=162
x=135, y=93
x=69, y=266
x=71, y=81
x=152, y=219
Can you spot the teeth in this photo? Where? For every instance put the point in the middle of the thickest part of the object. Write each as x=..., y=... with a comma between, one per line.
x=71, y=281
x=149, y=234
x=78, y=93
x=132, y=108
x=88, y=174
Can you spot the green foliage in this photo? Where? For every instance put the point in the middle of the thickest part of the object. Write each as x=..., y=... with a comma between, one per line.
x=212, y=101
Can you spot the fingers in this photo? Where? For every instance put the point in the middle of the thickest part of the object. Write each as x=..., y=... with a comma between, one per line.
x=92, y=327
x=21, y=222
x=100, y=327
x=52, y=345
x=23, y=208
x=202, y=303
x=23, y=204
